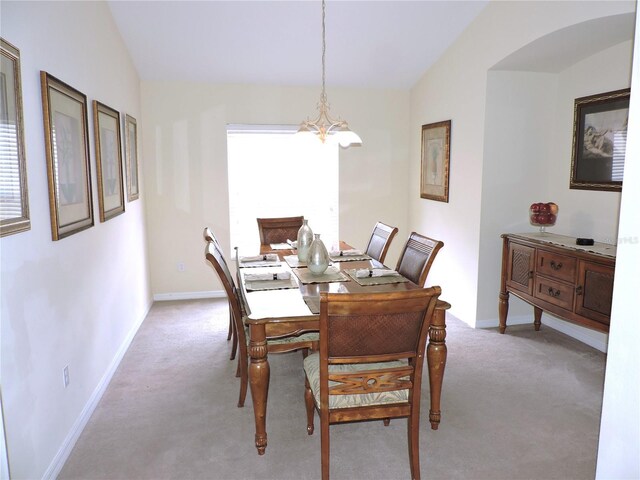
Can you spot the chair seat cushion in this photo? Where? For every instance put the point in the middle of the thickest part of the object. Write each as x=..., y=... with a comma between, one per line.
x=305, y=337
x=312, y=370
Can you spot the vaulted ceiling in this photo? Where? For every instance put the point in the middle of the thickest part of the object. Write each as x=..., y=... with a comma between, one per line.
x=370, y=44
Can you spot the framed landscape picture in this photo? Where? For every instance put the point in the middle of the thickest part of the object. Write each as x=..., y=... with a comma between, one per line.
x=108, y=160
x=131, y=135
x=599, y=141
x=14, y=198
x=434, y=165
x=67, y=148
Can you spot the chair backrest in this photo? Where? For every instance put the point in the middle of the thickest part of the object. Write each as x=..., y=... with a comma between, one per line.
x=380, y=241
x=214, y=256
x=210, y=237
x=370, y=328
x=278, y=230
x=417, y=257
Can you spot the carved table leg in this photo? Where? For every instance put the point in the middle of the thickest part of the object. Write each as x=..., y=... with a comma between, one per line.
x=436, y=360
x=259, y=382
x=537, y=318
x=503, y=310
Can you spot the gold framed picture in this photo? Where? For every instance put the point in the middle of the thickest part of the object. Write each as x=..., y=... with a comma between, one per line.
x=599, y=141
x=131, y=136
x=14, y=198
x=434, y=164
x=106, y=128
x=67, y=147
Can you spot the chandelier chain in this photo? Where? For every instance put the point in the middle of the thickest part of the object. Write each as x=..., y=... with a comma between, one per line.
x=324, y=48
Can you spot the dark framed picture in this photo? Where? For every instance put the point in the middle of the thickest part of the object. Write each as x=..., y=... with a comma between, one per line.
x=14, y=197
x=106, y=128
x=67, y=147
x=131, y=135
x=599, y=141
x=434, y=164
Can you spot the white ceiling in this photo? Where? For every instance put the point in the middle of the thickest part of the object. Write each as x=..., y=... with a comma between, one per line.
x=370, y=43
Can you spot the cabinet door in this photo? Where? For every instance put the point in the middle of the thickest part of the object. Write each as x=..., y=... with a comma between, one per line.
x=594, y=291
x=520, y=268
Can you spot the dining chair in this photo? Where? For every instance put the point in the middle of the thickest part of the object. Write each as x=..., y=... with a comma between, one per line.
x=380, y=241
x=278, y=230
x=304, y=341
x=417, y=256
x=210, y=237
x=369, y=365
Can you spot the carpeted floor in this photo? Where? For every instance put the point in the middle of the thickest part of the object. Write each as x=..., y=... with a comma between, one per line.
x=524, y=405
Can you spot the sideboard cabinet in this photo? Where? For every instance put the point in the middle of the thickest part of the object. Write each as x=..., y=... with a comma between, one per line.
x=555, y=275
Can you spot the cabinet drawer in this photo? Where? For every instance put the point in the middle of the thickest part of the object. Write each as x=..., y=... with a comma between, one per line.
x=551, y=291
x=557, y=266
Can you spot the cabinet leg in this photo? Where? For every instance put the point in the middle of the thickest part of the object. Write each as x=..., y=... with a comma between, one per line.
x=503, y=310
x=537, y=316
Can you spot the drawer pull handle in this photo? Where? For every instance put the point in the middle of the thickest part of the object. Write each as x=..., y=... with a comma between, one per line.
x=556, y=266
x=579, y=290
x=554, y=293
x=530, y=275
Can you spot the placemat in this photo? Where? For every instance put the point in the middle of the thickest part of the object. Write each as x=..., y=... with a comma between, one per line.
x=280, y=246
x=331, y=274
x=366, y=281
x=313, y=303
x=293, y=262
x=270, y=284
x=349, y=258
x=260, y=263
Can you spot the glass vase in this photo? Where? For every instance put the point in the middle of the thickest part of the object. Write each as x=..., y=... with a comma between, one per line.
x=318, y=259
x=305, y=238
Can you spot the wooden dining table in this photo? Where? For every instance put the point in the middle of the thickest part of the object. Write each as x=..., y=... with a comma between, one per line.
x=283, y=312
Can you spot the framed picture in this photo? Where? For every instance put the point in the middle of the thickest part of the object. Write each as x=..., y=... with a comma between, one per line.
x=599, y=141
x=131, y=135
x=67, y=147
x=434, y=165
x=14, y=198
x=106, y=129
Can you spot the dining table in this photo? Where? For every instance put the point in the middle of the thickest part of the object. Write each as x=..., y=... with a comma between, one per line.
x=294, y=308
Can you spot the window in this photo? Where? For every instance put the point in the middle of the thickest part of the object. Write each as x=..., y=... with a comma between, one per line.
x=274, y=173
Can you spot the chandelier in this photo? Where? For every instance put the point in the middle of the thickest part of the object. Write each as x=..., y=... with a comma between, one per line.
x=324, y=126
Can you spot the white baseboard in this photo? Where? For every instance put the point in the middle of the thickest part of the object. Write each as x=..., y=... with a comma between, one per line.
x=163, y=297
x=592, y=338
x=512, y=320
x=72, y=437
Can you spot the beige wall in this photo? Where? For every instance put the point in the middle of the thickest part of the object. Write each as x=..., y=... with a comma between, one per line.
x=184, y=140
x=77, y=301
x=619, y=441
x=457, y=88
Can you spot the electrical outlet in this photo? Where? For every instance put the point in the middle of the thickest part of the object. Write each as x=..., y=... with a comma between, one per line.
x=181, y=267
x=65, y=376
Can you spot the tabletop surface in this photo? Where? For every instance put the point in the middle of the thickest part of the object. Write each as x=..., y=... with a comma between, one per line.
x=290, y=304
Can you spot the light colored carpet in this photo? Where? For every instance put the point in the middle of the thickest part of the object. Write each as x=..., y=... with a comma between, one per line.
x=524, y=405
